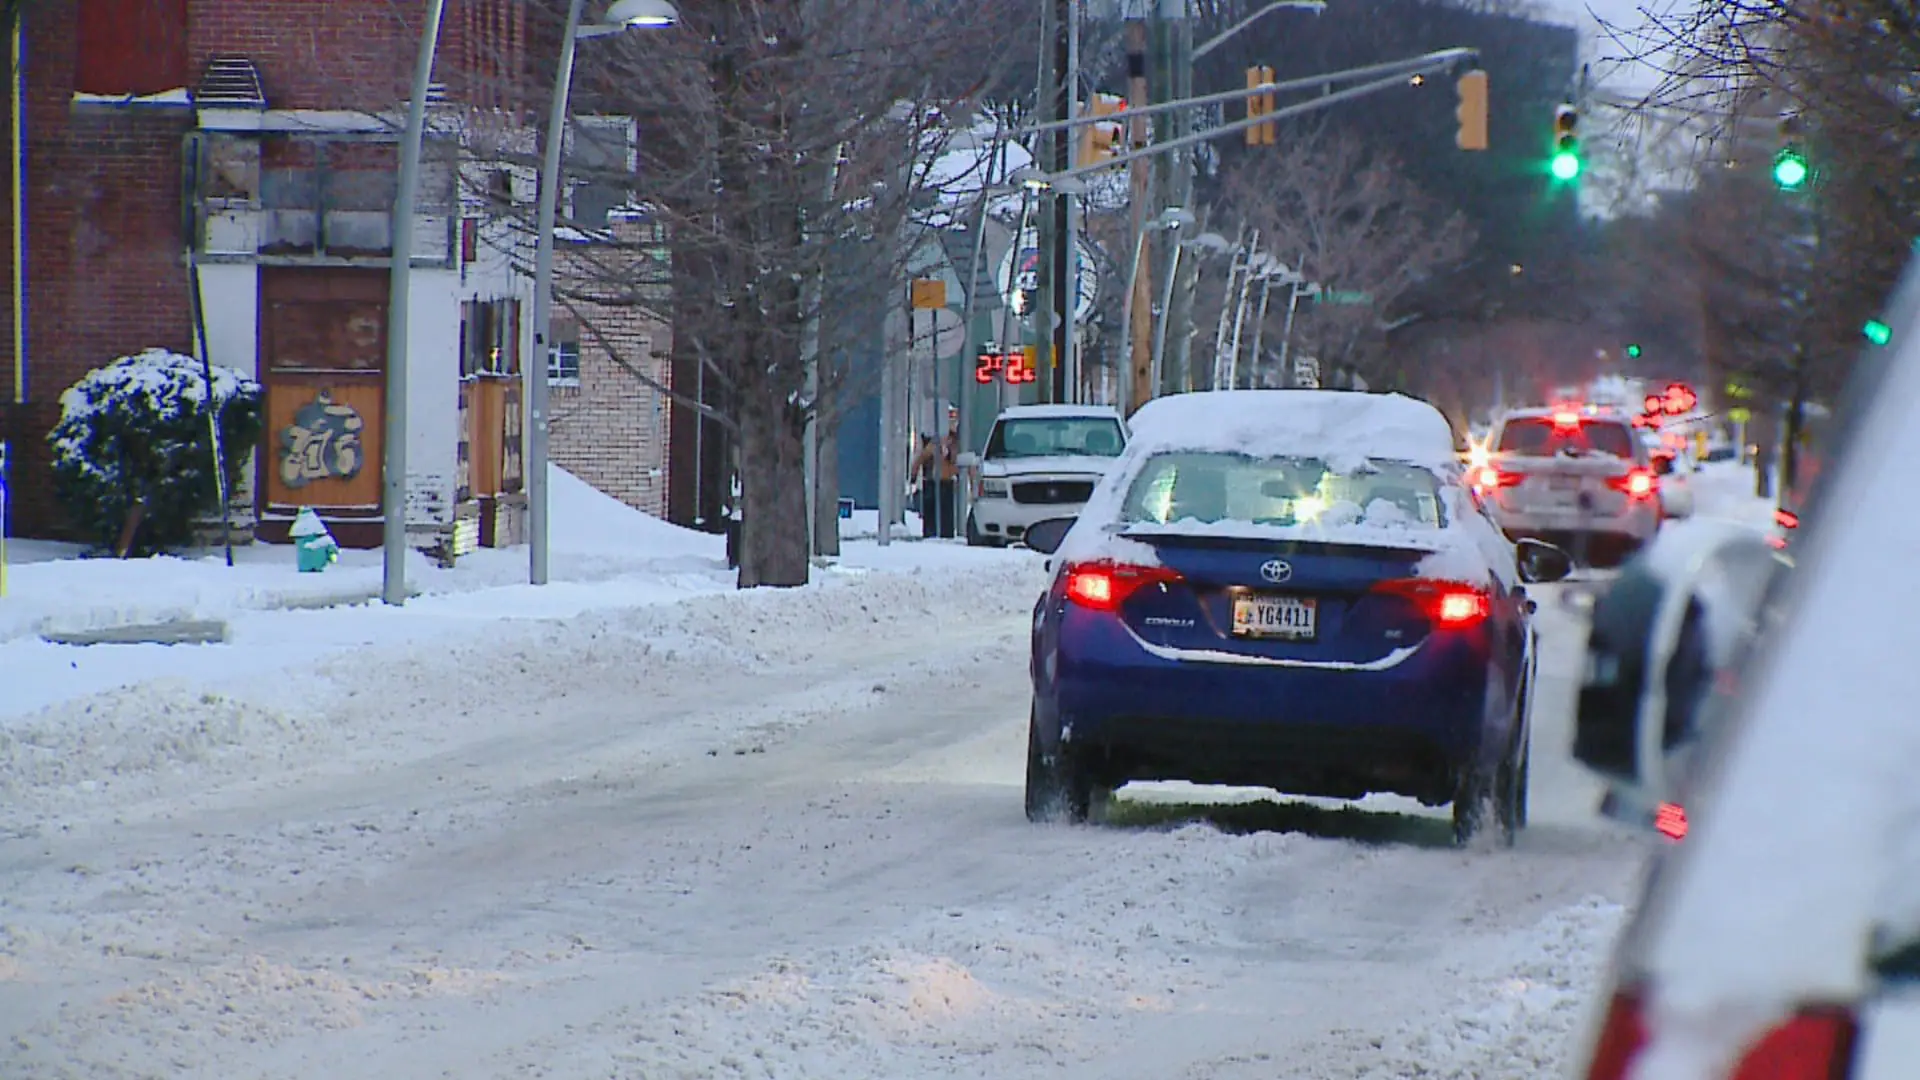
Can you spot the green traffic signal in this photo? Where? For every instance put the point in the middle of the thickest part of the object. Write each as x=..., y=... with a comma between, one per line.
x=1566, y=165
x=1877, y=332
x=1790, y=169
x=1633, y=352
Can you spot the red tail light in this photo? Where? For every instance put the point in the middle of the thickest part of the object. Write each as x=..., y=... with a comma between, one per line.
x=1670, y=819
x=1488, y=478
x=1786, y=519
x=1104, y=586
x=1814, y=1044
x=1638, y=484
x=1448, y=604
x=1566, y=419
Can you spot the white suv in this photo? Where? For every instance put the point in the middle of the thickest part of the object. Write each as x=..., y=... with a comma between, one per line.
x=1041, y=461
x=1580, y=479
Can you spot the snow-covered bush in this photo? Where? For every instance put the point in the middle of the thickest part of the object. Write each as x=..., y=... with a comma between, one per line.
x=135, y=433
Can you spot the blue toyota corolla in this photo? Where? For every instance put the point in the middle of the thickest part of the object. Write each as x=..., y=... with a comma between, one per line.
x=1289, y=589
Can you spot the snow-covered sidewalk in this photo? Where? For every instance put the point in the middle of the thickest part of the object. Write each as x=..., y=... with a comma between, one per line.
x=605, y=556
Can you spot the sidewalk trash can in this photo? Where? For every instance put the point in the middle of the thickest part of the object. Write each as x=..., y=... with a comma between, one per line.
x=314, y=548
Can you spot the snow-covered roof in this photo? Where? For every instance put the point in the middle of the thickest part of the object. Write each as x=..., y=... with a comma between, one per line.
x=1334, y=425
x=1058, y=412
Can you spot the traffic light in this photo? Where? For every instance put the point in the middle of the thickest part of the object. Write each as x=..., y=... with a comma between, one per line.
x=1877, y=332
x=1566, y=144
x=1260, y=105
x=1790, y=169
x=1633, y=352
x=1472, y=111
x=1104, y=139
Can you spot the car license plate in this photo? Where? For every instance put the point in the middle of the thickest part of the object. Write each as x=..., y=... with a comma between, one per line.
x=1564, y=483
x=1290, y=617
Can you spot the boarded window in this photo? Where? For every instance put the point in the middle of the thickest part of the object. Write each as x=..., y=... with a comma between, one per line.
x=131, y=47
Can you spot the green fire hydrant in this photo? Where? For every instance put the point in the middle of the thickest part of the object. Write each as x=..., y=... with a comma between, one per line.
x=313, y=546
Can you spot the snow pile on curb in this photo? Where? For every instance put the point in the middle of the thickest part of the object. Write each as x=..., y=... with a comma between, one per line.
x=393, y=698
x=1524, y=1006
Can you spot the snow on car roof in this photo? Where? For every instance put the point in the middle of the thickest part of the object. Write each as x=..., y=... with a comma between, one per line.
x=1342, y=428
x=1333, y=425
x=1058, y=412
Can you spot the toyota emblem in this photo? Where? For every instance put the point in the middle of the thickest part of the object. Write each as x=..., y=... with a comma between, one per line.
x=1276, y=570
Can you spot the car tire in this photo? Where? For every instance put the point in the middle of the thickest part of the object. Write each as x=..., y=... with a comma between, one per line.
x=1058, y=790
x=1510, y=795
x=975, y=538
x=1471, y=801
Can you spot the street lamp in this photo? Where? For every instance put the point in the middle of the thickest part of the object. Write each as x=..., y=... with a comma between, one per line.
x=621, y=15
x=1316, y=6
x=393, y=464
x=1173, y=217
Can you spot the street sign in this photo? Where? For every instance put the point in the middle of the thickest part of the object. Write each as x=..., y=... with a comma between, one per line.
x=1019, y=277
x=1345, y=296
x=929, y=293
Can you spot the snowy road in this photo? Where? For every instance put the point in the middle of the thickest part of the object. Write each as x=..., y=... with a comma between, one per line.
x=678, y=841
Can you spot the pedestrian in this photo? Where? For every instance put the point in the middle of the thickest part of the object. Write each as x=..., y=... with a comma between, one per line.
x=937, y=464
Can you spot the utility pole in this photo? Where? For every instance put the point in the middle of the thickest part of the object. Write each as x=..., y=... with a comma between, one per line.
x=1179, y=191
x=1071, y=369
x=1140, y=331
x=1054, y=311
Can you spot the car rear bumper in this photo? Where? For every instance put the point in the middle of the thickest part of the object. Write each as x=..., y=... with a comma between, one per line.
x=1639, y=523
x=1409, y=728
x=1004, y=519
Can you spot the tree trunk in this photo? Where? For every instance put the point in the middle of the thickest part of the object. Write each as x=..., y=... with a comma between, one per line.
x=826, y=520
x=1791, y=428
x=773, y=539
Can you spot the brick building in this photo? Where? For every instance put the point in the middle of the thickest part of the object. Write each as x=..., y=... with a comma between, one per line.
x=248, y=147
x=610, y=419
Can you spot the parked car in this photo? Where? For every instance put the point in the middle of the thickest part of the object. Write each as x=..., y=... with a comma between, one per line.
x=1575, y=476
x=1782, y=939
x=1675, y=622
x=1674, y=466
x=1041, y=461
x=1289, y=589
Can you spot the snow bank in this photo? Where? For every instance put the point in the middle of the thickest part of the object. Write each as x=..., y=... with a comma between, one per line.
x=405, y=693
x=1521, y=1002
x=595, y=538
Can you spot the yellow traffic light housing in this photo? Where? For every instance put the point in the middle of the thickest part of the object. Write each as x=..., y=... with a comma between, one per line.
x=1260, y=105
x=1472, y=112
x=1104, y=139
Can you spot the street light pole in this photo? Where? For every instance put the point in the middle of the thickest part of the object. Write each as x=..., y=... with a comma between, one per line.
x=393, y=464
x=623, y=15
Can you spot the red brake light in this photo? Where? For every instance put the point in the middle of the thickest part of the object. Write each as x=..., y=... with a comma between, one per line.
x=1104, y=586
x=1449, y=604
x=1566, y=418
x=1786, y=519
x=1489, y=478
x=1639, y=483
x=1670, y=820
x=1813, y=1044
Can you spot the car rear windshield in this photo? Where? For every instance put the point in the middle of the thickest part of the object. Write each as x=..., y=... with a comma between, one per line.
x=1541, y=437
x=1216, y=487
x=1066, y=436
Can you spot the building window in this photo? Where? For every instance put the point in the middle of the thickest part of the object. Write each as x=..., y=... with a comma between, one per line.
x=132, y=48
x=563, y=353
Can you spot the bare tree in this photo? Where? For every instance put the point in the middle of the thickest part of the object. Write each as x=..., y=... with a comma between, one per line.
x=1343, y=216
x=785, y=148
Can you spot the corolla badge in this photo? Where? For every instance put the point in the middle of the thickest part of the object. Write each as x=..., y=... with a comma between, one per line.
x=1276, y=570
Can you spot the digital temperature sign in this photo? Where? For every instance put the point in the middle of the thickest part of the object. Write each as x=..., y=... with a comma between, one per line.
x=1013, y=368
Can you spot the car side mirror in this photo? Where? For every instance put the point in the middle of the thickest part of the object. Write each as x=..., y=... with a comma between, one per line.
x=1542, y=563
x=1045, y=536
x=1663, y=466
x=968, y=460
